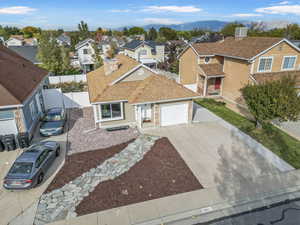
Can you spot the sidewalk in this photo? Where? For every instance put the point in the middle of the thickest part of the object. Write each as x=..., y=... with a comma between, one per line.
x=197, y=206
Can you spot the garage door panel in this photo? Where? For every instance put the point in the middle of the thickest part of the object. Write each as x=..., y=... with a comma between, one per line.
x=174, y=114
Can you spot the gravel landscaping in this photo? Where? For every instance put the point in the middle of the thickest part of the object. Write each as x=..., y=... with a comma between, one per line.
x=161, y=173
x=84, y=137
x=77, y=164
x=60, y=203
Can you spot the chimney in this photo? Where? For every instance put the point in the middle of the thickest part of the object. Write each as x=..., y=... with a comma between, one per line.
x=111, y=66
x=241, y=32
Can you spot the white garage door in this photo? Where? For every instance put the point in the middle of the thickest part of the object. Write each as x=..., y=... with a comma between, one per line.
x=174, y=114
x=8, y=127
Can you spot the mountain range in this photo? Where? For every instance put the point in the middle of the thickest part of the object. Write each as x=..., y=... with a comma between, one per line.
x=217, y=25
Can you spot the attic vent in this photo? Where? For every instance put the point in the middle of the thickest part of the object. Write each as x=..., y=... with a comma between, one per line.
x=241, y=32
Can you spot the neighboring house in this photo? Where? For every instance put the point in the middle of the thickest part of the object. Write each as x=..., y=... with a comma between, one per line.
x=223, y=68
x=19, y=40
x=208, y=37
x=63, y=40
x=104, y=47
x=85, y=53
x=126, y=92
x=147, y=52
x=27, y=52
x=21, y=101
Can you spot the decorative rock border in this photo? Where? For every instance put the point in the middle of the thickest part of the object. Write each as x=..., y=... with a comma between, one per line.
x=61, y=203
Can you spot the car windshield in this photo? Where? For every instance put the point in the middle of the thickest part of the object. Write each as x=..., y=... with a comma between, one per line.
x=21, y=168
x=51, y=117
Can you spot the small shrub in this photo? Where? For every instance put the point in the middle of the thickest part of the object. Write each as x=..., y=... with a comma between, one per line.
x=70, y=87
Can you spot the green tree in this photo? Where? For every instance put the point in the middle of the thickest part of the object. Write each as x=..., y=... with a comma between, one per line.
x=152, y=34
x=168, y=33
x=229, y=29
x=54, y=58
x=136, y=31
x=97, y=57
x=30, y=31
x=273, y=100
x=125, y=31
x=83, y=30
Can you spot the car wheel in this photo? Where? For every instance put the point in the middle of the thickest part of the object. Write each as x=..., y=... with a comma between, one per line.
x=40, y=178
x=57, y=153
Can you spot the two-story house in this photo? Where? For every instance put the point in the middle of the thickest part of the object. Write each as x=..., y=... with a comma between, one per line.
x=147, y=52
x=223, y=68
x=19, y=40
x=85, y=54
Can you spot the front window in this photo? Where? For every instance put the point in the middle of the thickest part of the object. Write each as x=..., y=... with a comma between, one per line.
x=111, y=111
x=289, y=62
x=265, y=64
x=85, y=51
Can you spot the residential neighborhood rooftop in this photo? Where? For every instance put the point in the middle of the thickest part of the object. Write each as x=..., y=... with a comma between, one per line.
x=18, y=77
x=27, y=52
x=154, y=88
x=245, y=48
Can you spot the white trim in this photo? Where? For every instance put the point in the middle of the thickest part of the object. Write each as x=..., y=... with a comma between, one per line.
x=215, y=76
x=283, y=40
x=169, y=100
x=265, y=57
x=283, y=59
x=97, y=103
x=111, y=119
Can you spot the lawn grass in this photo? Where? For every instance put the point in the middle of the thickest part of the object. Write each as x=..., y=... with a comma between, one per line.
x=282, y=144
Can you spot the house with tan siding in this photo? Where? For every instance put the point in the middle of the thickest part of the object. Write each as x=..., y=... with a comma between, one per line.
x=147, y=52
x=221, y=69
x=125, y=92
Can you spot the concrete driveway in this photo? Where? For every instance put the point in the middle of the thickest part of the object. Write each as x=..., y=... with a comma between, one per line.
x=14, y=203
x=215, y=155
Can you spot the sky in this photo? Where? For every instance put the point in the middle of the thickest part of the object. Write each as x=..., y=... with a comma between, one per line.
x=66, y=14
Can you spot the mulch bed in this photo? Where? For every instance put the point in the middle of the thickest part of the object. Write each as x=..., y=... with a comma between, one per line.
x=161, y=173
x=80, y=163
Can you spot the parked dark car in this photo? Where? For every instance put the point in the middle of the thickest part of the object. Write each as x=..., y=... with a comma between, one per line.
x=31, y=166
x=53, y=122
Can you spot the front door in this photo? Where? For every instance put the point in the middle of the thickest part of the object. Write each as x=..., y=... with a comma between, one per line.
x=218, y=81
x=146, y=112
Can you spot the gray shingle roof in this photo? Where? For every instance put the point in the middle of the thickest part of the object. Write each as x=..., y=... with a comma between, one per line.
x=27, y=52
x=136, y=43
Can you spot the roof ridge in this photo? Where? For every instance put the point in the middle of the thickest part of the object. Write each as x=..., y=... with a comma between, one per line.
x=140, y=88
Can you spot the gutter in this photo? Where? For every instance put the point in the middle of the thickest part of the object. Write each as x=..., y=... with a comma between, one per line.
x=168, y=100
x=11, y=106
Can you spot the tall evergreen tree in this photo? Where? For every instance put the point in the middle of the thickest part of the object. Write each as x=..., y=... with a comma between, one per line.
x=83, y=30
x=152, y=34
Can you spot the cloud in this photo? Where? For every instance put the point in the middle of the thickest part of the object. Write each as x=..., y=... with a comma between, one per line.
x=243, y=15
x=284, y=3
x=280, y=9
x=174, y=8
x=16, y=10
x=120, y=10
x=166, y=21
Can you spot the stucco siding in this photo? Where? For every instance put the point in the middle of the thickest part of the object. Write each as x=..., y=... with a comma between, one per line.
x=236, y=77
x=188, y=67
x=278, y=54
x=214, y=59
